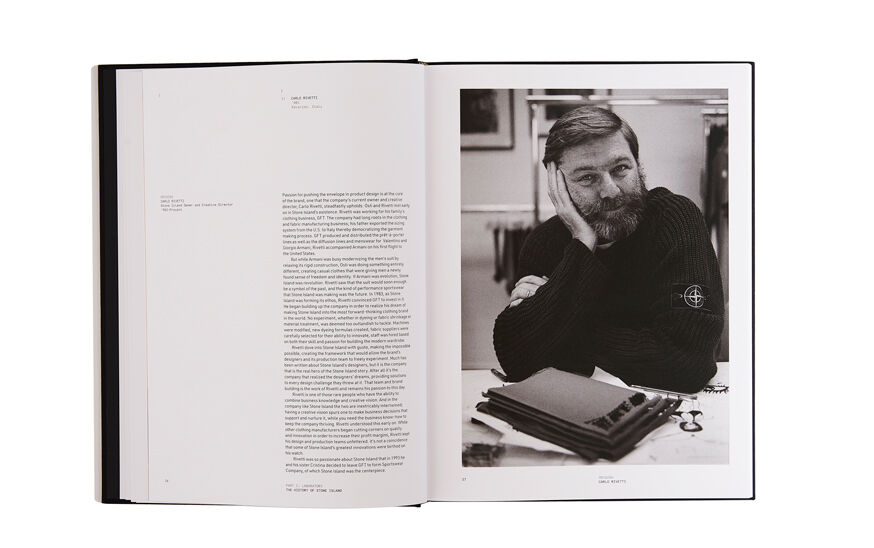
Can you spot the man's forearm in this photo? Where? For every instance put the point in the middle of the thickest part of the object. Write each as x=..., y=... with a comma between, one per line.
x=676, y=354
x=528, y=337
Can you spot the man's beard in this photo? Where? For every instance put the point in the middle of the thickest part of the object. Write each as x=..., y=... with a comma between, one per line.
x=614, y=219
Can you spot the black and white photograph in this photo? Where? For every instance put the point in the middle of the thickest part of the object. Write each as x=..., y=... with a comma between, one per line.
x=595, y=280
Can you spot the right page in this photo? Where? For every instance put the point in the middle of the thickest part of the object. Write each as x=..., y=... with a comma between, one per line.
x=581, y=258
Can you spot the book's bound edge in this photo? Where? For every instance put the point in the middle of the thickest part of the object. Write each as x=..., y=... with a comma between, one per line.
x=115, y=67
x=106, y=298
x=753, y=263
x=95, y=289
x=687, y=62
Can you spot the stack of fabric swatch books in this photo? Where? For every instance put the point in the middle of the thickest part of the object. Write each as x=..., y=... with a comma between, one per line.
x=591, y=418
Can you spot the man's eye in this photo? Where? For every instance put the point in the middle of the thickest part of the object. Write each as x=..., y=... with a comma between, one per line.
x=621, y=169
x=586, y=179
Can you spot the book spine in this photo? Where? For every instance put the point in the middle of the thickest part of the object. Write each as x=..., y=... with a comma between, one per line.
x=106, y=358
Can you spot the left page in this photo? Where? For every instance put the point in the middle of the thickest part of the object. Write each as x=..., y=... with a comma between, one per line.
x=283, y=284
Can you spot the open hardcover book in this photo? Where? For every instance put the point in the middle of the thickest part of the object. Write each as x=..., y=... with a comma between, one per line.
x=385, y=283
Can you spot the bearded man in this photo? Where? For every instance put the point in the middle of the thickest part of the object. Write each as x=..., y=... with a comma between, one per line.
x=622, y=278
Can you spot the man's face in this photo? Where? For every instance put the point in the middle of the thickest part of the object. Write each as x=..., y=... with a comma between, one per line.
x=606, y=185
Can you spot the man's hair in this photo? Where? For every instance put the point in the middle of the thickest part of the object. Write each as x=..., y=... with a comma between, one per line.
x=582, y=125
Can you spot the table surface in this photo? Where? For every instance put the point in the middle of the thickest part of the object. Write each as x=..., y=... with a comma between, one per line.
x=498, y=444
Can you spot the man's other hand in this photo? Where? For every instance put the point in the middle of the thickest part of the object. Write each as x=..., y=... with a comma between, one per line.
x=525, y=288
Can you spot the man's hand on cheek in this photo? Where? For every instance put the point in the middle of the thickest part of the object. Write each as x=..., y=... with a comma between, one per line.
x=526, y=287
x=565, y=208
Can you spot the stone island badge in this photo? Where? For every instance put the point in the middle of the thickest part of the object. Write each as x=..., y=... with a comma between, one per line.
x=693, y=296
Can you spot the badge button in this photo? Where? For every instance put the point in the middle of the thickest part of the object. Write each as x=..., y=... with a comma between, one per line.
x=694, y=296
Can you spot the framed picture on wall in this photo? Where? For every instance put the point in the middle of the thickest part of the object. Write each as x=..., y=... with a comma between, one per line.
x=486, y=119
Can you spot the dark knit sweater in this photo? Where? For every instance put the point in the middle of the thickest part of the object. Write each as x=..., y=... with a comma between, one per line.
x=621, y=308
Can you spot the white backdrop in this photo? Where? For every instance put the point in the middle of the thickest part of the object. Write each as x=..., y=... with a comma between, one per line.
x=812, y=189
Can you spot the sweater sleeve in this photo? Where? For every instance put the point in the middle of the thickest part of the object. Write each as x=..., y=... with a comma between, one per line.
x=675, y=349
x=530, y=336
